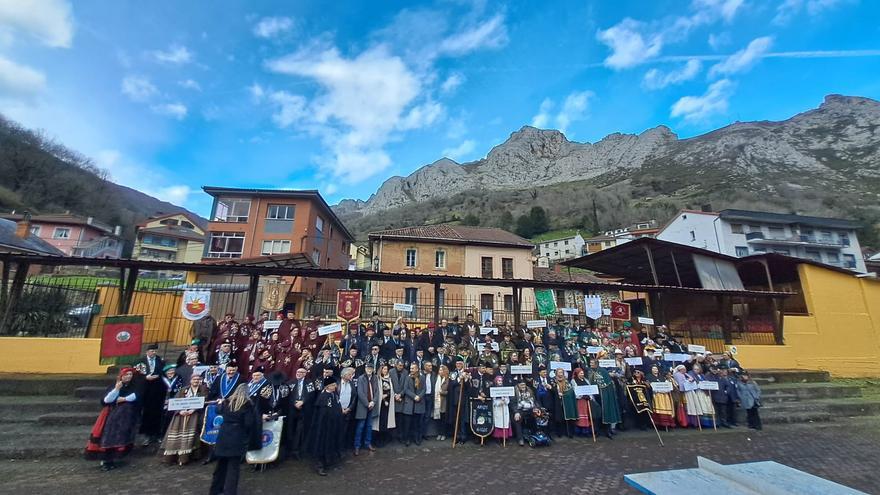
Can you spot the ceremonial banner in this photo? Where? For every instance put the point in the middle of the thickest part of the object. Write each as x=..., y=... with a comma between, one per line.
x=607, y=363
x=569, y=311
x=582, y=390
x=593, y=307
x=211, y=424
x=328, y=329
x=485, y=314
x=185, y=403
x=546, y=302
x=196, y=304
x=536, y=323
x=271, y=443
x=348, y=304
x=274, y=294
x=620, y=311
x=521, y=369
x=646, y=321
x=661, y=387
x=406, y=308
x=638, y=395
x=708, y=385
x=481, y=418
x=560, y=364
x=501, y=392
x=122, y=336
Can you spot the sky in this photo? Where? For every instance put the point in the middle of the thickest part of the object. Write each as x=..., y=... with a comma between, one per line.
x=168, y=96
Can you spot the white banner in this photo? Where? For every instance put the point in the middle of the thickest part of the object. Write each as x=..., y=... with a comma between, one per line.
x=196, y=304
x=501, y=392
x=569, y=311
x=185, y=403
x=521, y=369
x=635, y=361
x=485, y=314
x=271, y=443
x=594, y=349
x=593, y=306
x=488, y=330
x=581, y=390
x=699, y=349
x=681, y=358
x=271, y=324
x=646, y=321
x=560, y=364
x=406, y=308
x=708, y=385
x=661, y=386
x=328, y=329
x=607, y=363
x=536, y=323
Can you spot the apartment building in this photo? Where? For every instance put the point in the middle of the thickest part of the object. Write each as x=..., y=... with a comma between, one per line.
x=75, y=235
x=176, y=237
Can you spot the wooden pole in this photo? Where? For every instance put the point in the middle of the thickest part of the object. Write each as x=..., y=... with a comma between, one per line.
x=458, y=409
x=655, y=429
x=592, y=424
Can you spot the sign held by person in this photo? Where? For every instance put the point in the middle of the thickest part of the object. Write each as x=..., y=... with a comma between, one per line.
x=271, y=324
x=536, y=323
x=607, y=363
x=645, y=320
x=501, y=392
x=581, y=390
x=561, y=365
x=406, y=308
x=569, y=311
x=699, y=349
x=662, y=387
x=328, y=329
x=708, y=385
x=185, y=403
x=521, y=369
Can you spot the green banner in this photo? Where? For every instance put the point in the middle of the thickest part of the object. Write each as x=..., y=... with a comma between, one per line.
x=546, y=302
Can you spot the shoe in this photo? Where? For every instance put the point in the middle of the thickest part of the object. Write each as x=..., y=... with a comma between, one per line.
x=521, y=442
x=321, y=472
x=357, y=452
x=609, y=435
x=406, y=444
x=371, y=448
x=145, y=443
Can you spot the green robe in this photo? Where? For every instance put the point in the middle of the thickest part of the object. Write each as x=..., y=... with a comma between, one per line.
x=569, y=405
x=607, y=394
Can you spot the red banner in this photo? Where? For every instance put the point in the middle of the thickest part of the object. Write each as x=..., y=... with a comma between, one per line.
x=348, y=304
x=620, y=311
x=122, y=336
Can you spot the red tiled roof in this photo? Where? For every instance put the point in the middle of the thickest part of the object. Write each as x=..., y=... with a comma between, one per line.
x=457, y=234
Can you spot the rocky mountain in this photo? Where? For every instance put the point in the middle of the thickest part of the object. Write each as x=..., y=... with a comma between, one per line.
x=817, y=162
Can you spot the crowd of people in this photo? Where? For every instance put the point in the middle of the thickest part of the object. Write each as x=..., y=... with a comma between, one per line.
x=375, y=383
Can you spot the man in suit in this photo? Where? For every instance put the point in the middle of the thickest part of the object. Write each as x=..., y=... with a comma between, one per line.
x=153, y=392
x=387, y=344
x=398, y=378
x=302, y=399
x=442, y=359
x=430, y=382
x=365, y=409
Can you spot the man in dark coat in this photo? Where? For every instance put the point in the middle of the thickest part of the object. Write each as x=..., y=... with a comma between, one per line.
x=327, y=428
x=302, y=400
x=367, y=393
x=153, y=392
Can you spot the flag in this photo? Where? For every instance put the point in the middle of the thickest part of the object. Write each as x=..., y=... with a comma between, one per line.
x=196, y=304
x=593, y=307
x=546, y=302
x=348, y=304
x=620, y=311
x=122, y=336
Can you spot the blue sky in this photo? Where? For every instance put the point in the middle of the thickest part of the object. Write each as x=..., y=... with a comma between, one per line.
x=168, y=96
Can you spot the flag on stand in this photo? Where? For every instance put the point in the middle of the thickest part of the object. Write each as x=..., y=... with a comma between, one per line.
x=546, y=302
x=620, y=311
x=122, y=336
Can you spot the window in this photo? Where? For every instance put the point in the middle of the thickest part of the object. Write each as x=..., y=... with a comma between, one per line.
x=832, y=257
x=280, y=212
x=487, y=301
x=567, y=251
x=506, y=267
x=411, y=258
x=814, y=255
x=565, y=242
x=555, y=244
x=275, y=247
x=441, y=297
x=187, y=225
x=849, y=261
x=560, y=298
x=508, y=302
x=609, y=243
x=316, y=256
x=486, y=266
x=742, y=251
x=226, y=245
x=777, y=232
x=760, y=249
x=693, y=236
x=643, y=226
x=319, y=224
x=35, y=230
x=232, y=210
x=440, y=259
x=61, y=233
x=168, y=221
x=411, y=295
x=844, y=238
x=781, y=251
x=826, y=235
x=755, y=228
x=157, y=240
x=736, y=228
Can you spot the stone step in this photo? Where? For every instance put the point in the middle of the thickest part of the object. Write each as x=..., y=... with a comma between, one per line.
x=780, y=397
x=770, y=376
x=18, y=409
x=32, y=441
x=26, y=385
x=807, y=391
x=775, y=417
x=68, y=419
x=90, y=392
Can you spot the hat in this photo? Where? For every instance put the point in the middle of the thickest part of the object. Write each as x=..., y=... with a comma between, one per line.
x=125, y=370
x=627, y=324
x=258, y=369
x=618, y=351
x=368, y=364
x=232, y=364
x=226, y=342
x=153, y=347
x=229, y=314
x=196, y=341
x=329, y=381
x=168, y=367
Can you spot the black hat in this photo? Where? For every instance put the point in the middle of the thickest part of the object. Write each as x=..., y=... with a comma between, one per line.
x=153, y=347
x=258, y=369
x=329, y=381
x=233, y=363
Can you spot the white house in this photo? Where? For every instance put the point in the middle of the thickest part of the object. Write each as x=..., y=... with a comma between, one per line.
x=742, y=233
x=561, y=249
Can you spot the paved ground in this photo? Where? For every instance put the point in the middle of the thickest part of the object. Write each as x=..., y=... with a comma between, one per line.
x=844, y=451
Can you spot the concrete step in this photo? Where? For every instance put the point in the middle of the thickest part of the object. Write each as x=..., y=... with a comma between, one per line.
x=90, y=392
x=27, y=385
x=31, y=441
x=67, y=419
x=23, y=409
x=807, y=391
x=775, y=417
x=780, y=397
x=770, y=376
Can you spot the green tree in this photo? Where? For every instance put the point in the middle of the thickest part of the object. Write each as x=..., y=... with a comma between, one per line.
x=539, y=221
x=470, y=219
x=506, y=220
x=524, y=226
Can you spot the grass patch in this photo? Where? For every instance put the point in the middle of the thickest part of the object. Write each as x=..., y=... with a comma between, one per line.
x=86, y=282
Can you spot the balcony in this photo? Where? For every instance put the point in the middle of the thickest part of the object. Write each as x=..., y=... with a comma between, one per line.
x=798, y=240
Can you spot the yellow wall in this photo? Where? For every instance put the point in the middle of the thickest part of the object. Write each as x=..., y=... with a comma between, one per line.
x=163, y=320
x=841, y=334
x=48, y=355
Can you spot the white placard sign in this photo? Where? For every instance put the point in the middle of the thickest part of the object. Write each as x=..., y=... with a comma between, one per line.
x=569, y=311
x=581, y=390
x=328, y=329
x=520, y=369
x=690, y=386
x=594, y=349
x=271, y=324
x=481, y=346
x=634, y=361
x=708, y=385
x=501, y=392
x=646, y=321
x=676, y=357
x=606, y=311
x=699, y=349
x=488, y=330
x=593, y=307
x=186, y=403
x=536, y=323
x=560, y=364
x=406, y=308
x=661, y=386
x=200, y=370
x=607, y=363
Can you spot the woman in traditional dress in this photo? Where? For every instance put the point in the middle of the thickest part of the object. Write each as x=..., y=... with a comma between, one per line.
x=116, y=428
x=679, y=401
x=441, y=390
x=181, y=442
x=384, y=421
x=583, y=424
x=662, y=404
x=502, y=414
x=706, y=410
x=565, y=410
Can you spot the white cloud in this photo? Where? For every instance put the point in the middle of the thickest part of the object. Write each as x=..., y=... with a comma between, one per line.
x=138, y=88
x=461, y=151
x=190, y=84
x=452, y=82
x=727, y=9
x=491, y=33
x=270, y=27
x=329, y=188
x=174, y=55
x=143, y=178
x=744, y=59
x=657, y=79
x=717, y=41
x=789, y=9
x=629, y=44
x=291, y=108
x=574, y=107
x=19, y=80
x=257, y=92
x=175, y=110
x=698, y=108
x=49, y=21
x=421, y=116
x=542, y=119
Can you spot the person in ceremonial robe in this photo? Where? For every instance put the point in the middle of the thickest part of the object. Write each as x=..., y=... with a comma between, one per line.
x=704, y=407
x=193, y=348
x=302, y=400
x=583, y=424
x=239, y=433
x=181, y=442
x=544, y=391
x=325, y=442
x=607, y=396
x=114, y=432
x=661, y=402
x=153, y=393
x=565, y=410
x=502, y=414
x=173, y=384
x=458, y=400
x=525, y=405
x=287, y=325
x=639, y=395
x=224, y=353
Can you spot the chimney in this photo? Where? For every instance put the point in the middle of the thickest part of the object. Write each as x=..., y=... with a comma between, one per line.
x=117, y=230
x=707, y=208
x=23, y=227
x=90, y=220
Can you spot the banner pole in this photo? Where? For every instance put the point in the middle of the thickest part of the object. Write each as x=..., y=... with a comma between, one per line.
x=458, y=410
x=655, y=429
x=590, y=412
